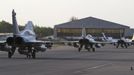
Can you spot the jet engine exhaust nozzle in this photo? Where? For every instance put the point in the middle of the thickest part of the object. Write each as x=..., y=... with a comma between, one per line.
x=10, y=40
x=19, y=40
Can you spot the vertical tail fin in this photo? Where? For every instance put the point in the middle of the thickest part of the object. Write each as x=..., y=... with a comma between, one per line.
x=83, y=32
x=15, y=25
x=133, y=37
x=104, y=36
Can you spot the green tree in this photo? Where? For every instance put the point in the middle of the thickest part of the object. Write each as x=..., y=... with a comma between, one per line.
x=73, y=18
x=5, y=27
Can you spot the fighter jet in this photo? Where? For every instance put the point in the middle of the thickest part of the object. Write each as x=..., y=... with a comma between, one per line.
x=109, y=39
x=124, y=42
x=89, y=42
x=24, y=41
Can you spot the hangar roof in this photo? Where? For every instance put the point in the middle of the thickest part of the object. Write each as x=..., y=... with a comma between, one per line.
x=90, y=22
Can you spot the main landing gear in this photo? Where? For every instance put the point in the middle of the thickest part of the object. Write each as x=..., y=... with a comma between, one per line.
x=31, y=54
x=28, y=51
x=11, y=52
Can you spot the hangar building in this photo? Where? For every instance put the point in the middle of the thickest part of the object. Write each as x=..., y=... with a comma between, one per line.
x=93, y=26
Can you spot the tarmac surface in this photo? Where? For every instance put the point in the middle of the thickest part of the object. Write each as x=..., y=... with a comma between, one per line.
x=65, y=60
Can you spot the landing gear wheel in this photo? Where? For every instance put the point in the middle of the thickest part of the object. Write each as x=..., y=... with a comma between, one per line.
x=88, y=49
x=93, y=49
x=29, y=56
x=33, y=54
x=79, y=49
x=9, y=54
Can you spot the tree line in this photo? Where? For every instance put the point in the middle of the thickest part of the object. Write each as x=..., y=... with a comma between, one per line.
x=6, y=27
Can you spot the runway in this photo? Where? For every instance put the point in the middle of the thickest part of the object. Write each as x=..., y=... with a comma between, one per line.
x=66, y=60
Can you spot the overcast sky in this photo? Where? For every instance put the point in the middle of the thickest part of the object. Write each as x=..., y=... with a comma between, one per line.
x=51, y=12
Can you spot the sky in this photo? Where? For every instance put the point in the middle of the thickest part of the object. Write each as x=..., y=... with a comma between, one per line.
x=48, y=13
